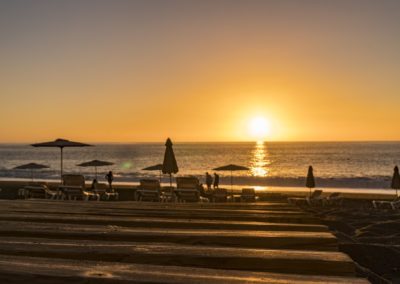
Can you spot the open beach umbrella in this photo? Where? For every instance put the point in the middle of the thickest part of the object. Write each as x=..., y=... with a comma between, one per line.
x=61, y=143
x=157, y=167
x=31, y=166
x=95, y=164
x=231, y=168
x=396, y=179
x=310, y=182
x=169, y=165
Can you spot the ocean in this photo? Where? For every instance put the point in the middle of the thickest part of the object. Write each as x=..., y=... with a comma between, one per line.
x=336, y=164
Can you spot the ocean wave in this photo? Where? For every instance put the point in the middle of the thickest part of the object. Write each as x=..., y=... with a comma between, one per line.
x=134, y=177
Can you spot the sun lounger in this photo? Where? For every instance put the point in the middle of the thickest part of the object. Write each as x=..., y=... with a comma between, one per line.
x=220, y=195
x=105, y=192
x=248, y=195
x=394, y=204
x=334, y=199
x=40, y=191
x=149, y=190
x=73, y=188
x=167, y=194
x=188, y=190
x=37, y=190
x=314, y=199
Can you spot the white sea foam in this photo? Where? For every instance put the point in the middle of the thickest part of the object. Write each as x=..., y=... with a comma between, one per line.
x=350, y=165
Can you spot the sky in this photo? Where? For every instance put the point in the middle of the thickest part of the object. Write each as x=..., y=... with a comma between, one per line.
x=141, y=71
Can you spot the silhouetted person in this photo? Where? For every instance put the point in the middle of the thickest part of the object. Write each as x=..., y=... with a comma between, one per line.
x=109, y=177
x=94, y=184
x=209, y=181
x=216, y=180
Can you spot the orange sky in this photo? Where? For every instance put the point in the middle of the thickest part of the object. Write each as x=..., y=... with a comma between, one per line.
x=133, y=71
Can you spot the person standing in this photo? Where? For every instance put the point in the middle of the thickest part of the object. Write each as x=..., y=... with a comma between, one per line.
x=209, y=181
x=109, y=177
x=216, y=180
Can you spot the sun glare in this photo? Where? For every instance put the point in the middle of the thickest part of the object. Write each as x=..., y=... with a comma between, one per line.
x=259, y=128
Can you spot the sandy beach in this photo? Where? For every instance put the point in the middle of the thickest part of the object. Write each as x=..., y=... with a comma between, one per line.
x=108, y=230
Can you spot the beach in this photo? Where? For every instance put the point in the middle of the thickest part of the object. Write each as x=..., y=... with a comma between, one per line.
x=368, y=236
x=123, y=242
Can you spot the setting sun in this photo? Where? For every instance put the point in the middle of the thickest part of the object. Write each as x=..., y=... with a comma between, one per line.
x=259, y=127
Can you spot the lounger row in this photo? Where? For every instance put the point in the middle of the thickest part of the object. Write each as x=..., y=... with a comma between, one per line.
x=316, y=199
x=72, y=188
x=188, y=189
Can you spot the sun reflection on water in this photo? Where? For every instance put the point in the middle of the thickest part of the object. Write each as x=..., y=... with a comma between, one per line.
x=260, y=160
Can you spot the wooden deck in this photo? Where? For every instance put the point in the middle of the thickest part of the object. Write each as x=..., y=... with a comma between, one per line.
x=120, y=242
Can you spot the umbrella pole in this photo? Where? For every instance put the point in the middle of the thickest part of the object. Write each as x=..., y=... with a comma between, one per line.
x=61, y=162
x=170, y=180
x=32, y=177
x=160, y=176
x=231, y=182
x=95, y=170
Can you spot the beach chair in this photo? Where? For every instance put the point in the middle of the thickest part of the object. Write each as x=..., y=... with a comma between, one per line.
x=314, y=199
x=40, y=191
x=248, y=195
x=188, y=190
x=394, y=204
x=220, y=195
x=149, y=190
x=73, y=188
x=105, y=192
x=37, y=190
x=334, y=199
x=167, y=194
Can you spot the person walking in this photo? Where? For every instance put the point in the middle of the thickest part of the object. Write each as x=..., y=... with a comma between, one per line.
x=216, y=180
x=209, y=181
x=109, y=177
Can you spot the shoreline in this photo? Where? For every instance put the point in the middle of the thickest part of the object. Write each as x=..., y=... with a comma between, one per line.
x=12, y=185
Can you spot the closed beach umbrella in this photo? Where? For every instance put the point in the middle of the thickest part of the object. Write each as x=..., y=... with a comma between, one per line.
x=396, y=179
x=310, y=182
x=157, y=167
x=95, y=164
x=31, y=166
x=231, y=168
x=169, y=165
x=61, y=143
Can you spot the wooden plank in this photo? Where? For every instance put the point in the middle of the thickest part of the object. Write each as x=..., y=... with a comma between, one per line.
x=188, y=214
x=235, y=238
x=136, y=204
x=37, y=270
x=283, y=261
x=150, y=222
